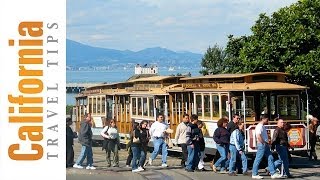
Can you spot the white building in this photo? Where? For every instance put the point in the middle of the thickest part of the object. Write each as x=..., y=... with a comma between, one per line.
x=145, y=69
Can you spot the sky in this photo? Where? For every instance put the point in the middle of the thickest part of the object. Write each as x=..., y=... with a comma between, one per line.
x=179, y=25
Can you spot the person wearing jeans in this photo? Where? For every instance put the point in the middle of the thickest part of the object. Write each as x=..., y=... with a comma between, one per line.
x=263, y=149
x=283, y=160
x=86, y=152
x=236, y=149
x=221, y=162
x=193, y=157
x=136, y=150
x=85, y=138
x=128, y=147
x=158, y=142
x=144, y=140
x=222, y=137
x=158, y=133
x=281, y=144
x=193, y=136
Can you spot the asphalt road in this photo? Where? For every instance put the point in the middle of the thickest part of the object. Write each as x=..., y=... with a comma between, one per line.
x=303, y=169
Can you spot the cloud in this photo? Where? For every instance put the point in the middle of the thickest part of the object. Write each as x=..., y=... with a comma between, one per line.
x=166, y=21
x=176, y=24
x=100, y=37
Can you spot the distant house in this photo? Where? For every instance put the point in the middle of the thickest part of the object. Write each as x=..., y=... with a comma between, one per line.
x=145, y=69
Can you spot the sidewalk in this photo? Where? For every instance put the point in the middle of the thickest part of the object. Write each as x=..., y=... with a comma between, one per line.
x=301, y=168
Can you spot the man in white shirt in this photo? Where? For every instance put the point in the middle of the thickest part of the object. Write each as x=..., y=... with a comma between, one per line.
x=158, y=134
x=263, y=149
x=181, y=138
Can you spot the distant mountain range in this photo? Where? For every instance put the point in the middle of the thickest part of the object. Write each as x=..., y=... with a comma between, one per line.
x=81, y=55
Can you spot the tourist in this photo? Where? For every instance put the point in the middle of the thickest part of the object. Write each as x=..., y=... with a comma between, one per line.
x=222, y=138
x=236, y=148
x=70, y=135
x=144, y=140
x=85, y=139
x=263, y=149
x=202, y=147
x=313, y=138
x=193, y=135
x=232, y=125
x=111, y=136
x=128, y=147
x=280, y=142
x=158, y=134
x=136, y=149
x=180, y=138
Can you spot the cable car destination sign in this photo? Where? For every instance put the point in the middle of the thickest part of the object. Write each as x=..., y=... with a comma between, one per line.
x=200, y=85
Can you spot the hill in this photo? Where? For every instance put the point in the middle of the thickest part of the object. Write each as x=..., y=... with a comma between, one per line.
x=81, y=55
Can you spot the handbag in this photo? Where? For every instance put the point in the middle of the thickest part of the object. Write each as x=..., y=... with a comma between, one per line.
x=105, y=141
x=135, y=140
x=105, y=144
x=168, y=142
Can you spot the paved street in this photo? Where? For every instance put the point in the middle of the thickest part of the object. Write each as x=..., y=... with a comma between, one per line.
x=303, y=169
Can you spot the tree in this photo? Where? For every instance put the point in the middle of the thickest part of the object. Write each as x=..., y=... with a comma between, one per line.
x=233, y=63
x=287, y=41
x=213, y=60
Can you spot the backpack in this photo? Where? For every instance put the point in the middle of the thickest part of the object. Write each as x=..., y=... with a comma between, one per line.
x=105, y=141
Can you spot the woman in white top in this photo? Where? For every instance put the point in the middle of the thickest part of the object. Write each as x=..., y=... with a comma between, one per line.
x=111, y=142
